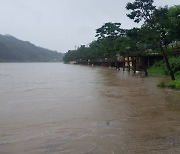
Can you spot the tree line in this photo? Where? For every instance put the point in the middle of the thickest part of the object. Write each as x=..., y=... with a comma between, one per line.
x=160, y=28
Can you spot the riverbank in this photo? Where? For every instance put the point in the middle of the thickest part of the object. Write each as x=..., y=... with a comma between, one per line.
x=159, y=69
x=172, y=84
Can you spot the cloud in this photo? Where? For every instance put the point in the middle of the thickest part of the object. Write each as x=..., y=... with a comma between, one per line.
x=62, y=24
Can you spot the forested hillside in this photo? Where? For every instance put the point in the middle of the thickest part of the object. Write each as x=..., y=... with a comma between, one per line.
x=15, y=50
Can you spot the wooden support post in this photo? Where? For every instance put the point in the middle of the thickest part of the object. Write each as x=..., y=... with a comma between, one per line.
x=123, y=63
x=128, y=64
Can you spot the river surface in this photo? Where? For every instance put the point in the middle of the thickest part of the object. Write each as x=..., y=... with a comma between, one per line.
x=55, y=108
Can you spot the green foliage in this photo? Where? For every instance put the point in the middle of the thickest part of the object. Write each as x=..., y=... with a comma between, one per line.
x=156, y=71
x=156, y=24
x=175, y=63
x=108, y=34
x=78, y=54
x=172, y=84
x=15, y=50
x=161, y=84
x=177, y=74
x=140, y=9
x=174, y=17
x=160, y=28
x=122, y=44
x=107, y=45
x=109, y=30
x=159, y=68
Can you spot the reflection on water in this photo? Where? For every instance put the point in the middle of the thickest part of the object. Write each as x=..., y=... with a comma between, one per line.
x=56, y=108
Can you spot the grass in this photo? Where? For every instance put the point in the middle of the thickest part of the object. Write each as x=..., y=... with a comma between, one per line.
x=159, y=69
x=162, y=84
x=172, y=84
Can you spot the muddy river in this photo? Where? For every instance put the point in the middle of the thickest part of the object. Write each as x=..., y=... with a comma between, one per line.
x=55, y=108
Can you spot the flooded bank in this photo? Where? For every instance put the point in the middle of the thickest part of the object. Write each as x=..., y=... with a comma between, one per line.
x=56, y=108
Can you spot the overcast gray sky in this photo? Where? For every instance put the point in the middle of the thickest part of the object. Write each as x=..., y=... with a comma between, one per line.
x=63, y=24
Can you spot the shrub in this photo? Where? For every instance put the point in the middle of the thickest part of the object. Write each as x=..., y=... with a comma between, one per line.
x=175, y=63
x=174, y=84
x=160, y=68
x=161, y=84
x=177, y=74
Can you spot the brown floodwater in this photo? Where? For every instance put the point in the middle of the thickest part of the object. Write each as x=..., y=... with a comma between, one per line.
x=69, y=109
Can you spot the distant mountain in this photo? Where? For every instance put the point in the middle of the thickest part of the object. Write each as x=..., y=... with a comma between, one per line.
x=15, y=50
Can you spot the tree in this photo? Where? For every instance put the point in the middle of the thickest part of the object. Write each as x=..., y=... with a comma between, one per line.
x=95, y=51
x=109, y=30
x=155, y=23
x=174, y=18
x=107, y=35
x=138, y=46
x=141, y=9
x=160, y=26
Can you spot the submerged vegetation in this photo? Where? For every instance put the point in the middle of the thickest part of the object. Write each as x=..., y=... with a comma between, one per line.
x=158, y=35
x=171, y=84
